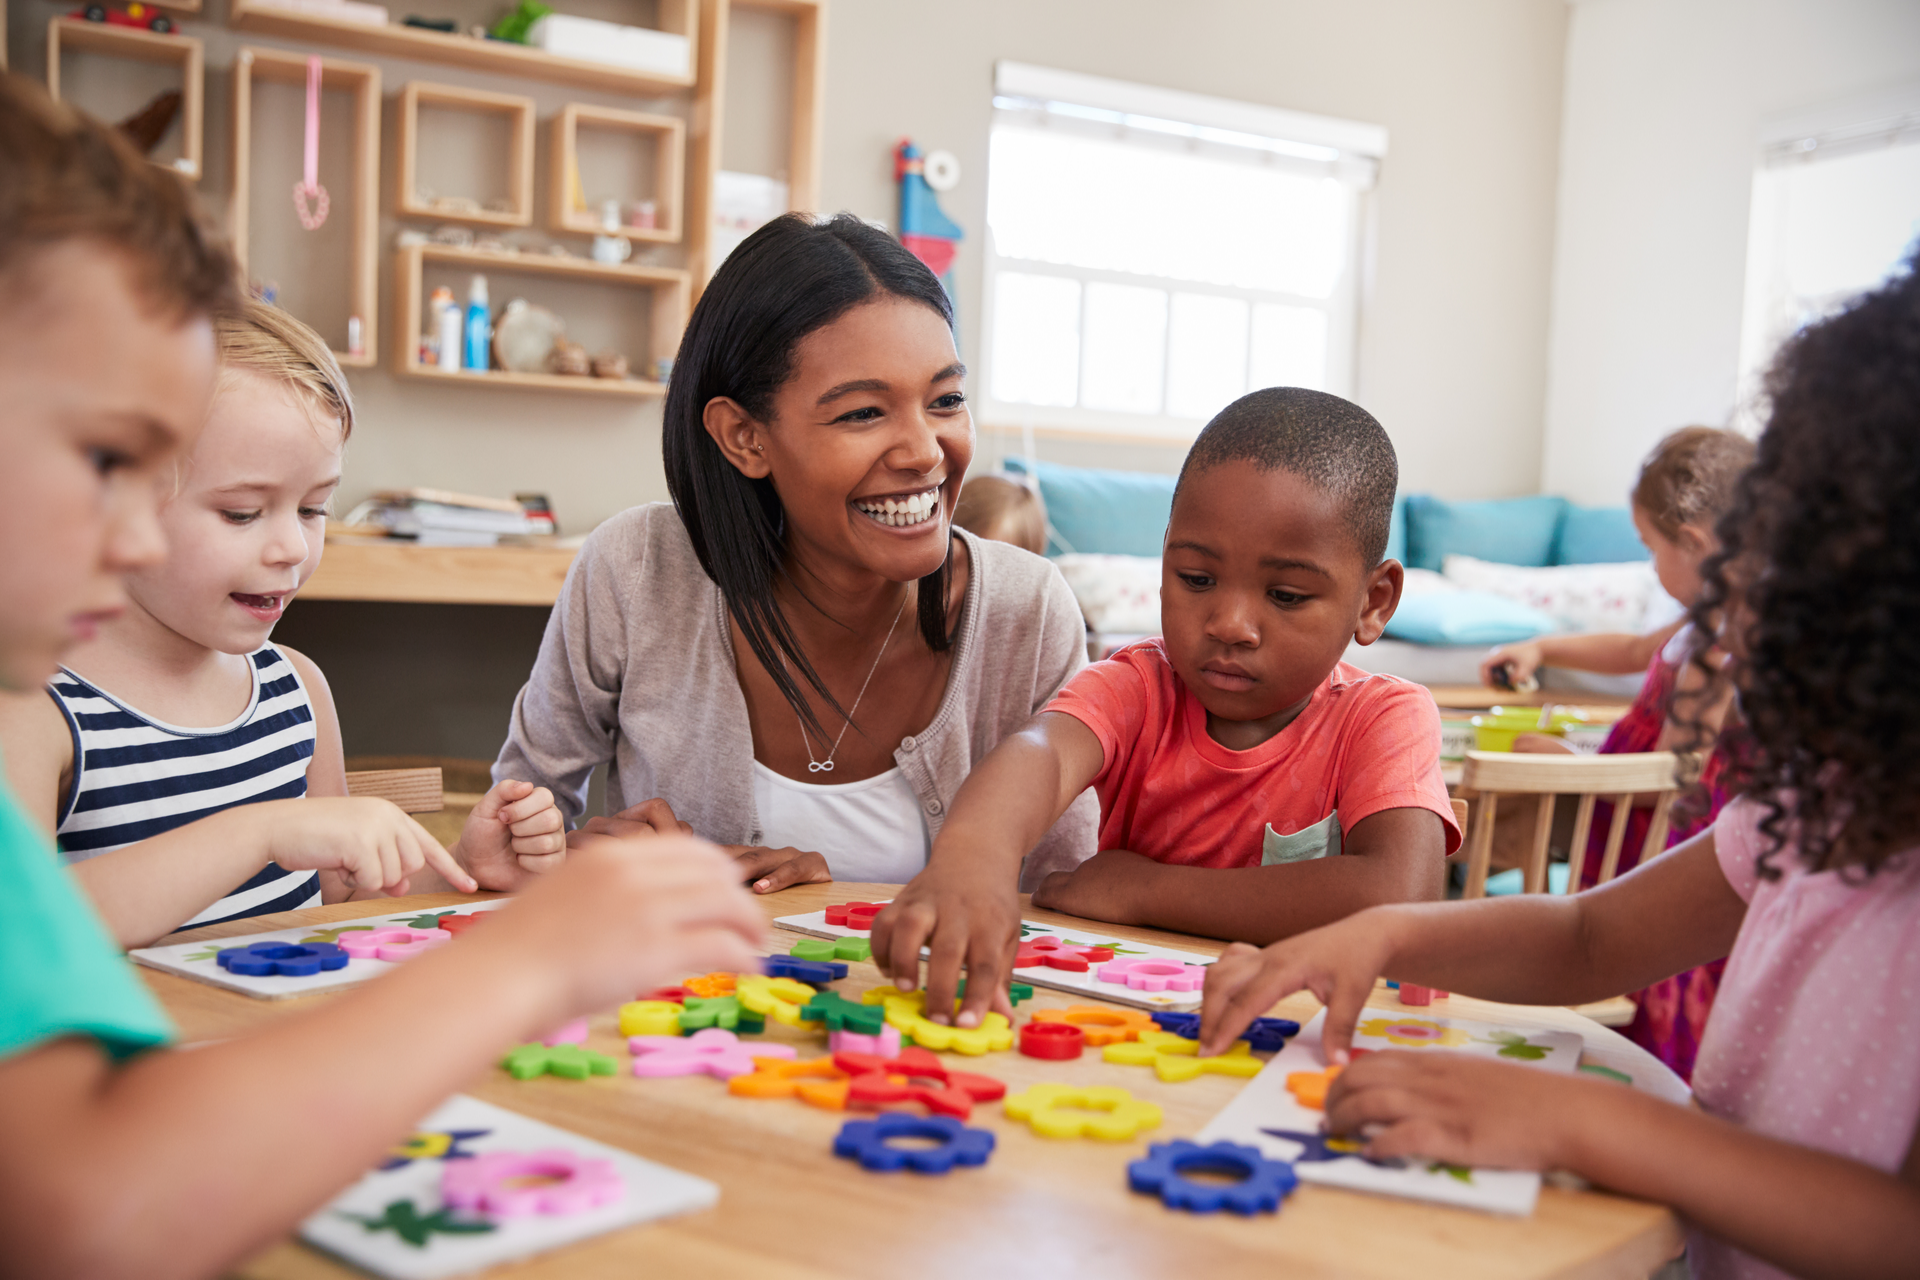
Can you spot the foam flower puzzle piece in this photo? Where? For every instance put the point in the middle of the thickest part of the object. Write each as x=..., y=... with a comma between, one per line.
x=1309, y=1088
x=886, y=1043
x=816, y=973
x=723, y=1012
x=457, y=925
x=1175, y=1059
x=514, y=1184
x=1264, y=1035
x=432, y=1144
x=879, y=1082
x=1052, y=953
x=841, y=1014
x=857, y=916
x=906, y=1012
x=711, y=1052
x=394, y=944
x=651, y=1018
x=1413, y=1033
x=818, y=1082
x=1100, y=1025
x=1262, y=1184
x=1142, y=973
x=1016, y=991
x=832, y=949
x=708, y=985
x=574, y=1032
x=777, y=998
x=867, y=1141
x=1073, y=1111
x=286, y=959
x=569, y=1061
x=674, y=995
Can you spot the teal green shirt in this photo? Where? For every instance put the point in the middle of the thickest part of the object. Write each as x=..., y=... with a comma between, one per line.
x=60, y=974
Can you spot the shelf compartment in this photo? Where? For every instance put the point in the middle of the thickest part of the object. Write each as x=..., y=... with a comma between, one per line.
x=668, y=288
x=133, y=44
x=499, y=56
x=668, y=137
x=517, y=114
x=361, y=208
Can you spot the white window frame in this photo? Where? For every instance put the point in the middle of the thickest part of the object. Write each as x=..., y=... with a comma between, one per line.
x=1346, y=149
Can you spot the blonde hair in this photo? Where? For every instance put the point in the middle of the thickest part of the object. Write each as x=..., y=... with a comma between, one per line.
x=1003, y=508
x=1689, y=478
x=261, y=338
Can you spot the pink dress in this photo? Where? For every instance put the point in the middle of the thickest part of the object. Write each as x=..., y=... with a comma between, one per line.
x=1813, y=1039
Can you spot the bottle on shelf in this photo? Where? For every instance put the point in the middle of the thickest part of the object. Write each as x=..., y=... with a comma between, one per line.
x=477, y=356
x=443, y=319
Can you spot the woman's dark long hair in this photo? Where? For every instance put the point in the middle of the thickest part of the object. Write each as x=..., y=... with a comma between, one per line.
x=1819, y=568
x=783, y=282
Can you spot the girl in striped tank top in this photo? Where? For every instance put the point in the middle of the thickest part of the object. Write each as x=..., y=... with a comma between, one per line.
x=194, y=772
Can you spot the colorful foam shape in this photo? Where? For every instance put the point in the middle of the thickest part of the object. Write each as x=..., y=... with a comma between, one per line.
x=778, y=998
x=857, y=916
x=1262, y=1186
x=724, y=1012
x=1142, y=973
x=1175, y=1059
x=708, y=985
x=867, y=1142
x=457, y=925
x=568, y=1061
x=842, y=1014
x=1264, y=1035
x=574, y=1032
x=1051, y=953
x=652, y=1018
x=814, y=972
x=886, y=1043
x=832, y=949
x=1309, y=1088
x=818, y=1082
x=282, y=959
x=1016, y=991
x=674, y=995
x=1054, y=1041
x=915, y=1076
x=711, y=1052
x=513, y=1184
x=906, y=1011
x=1076, y=1111
x=393, y=944
x=1101, y=1025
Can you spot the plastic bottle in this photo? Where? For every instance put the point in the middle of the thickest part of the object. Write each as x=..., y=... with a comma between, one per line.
x=443, y=314
x=479, y=328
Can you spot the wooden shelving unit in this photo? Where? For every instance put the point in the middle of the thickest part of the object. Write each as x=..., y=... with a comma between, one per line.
x=395, y=570
x=77, y=35
x=668, y=137
x=363, y=81
x=519, y=115
x=499, y=56
x=669, y=289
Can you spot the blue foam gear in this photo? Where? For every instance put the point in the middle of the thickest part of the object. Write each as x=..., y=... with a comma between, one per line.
x=1264, y=1183
x=1264, y=1035
x=288, y=959
x=866, y=1141
x=814, y=972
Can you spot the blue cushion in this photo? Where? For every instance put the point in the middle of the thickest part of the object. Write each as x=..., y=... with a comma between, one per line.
x=1397, y=531
x=1508, y=531
x=1095, y=512
x=1597, y=535
x=1466, y=617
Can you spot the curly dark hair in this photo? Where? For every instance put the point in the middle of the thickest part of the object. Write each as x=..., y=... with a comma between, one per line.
x=1819, y=574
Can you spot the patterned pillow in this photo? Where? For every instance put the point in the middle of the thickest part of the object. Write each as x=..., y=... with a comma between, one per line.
x=1581, y=597
x=1116, y=593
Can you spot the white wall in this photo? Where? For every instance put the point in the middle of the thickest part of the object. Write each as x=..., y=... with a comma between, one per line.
x=1665, y=101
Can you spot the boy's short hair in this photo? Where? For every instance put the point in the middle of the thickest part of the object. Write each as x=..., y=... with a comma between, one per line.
x=1690, y=476
x=1004, y=507
x=261, y=338
x=65, y=176
x=1331, y=443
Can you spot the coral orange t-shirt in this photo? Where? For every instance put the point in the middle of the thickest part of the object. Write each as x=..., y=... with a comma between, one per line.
x=1363, y=744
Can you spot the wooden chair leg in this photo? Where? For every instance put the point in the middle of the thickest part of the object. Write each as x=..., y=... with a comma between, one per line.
x=1538, y=854
x=1656, y=841
x=1616, y=836
x=1481, y=852
x=1577, y=850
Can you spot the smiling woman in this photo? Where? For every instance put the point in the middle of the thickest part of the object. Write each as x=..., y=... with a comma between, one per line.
x=739, y=656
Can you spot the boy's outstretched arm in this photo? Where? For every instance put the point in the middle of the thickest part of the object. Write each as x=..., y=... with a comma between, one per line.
x=1398, y=855
x=965, y=907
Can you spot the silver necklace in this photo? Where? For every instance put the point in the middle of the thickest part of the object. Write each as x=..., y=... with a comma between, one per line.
x=826, y=766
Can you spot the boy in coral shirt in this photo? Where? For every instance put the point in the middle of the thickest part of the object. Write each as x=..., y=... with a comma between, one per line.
x=1251, y=784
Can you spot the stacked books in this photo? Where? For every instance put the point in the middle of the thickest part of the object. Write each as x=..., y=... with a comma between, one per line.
x=438, y=518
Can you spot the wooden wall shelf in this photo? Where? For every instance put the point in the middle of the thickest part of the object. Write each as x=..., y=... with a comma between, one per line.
x=668, y=136
x=77, y=35
x=519, y=115
x=669, y=289
x=499, y=56
x=393, y=570
x=363, y=81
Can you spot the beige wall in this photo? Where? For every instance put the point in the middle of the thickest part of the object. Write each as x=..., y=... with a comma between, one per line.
x=1665, y=102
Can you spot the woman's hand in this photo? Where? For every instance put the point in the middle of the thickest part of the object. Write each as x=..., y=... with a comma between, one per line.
x=649, y=818
x=770, y=870
x=966, y=921
x=1337, y=962
x=1463, y=1110
x=1520, y=660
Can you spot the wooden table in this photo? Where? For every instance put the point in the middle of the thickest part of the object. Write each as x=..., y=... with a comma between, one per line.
x=788, y=1208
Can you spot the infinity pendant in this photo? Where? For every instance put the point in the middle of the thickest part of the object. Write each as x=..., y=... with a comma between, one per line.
x=819, y=766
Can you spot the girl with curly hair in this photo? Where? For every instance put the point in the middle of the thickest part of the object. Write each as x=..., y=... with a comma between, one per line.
x=1802, y=1156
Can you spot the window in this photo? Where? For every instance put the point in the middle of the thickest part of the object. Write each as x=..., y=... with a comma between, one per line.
x=1152, y=255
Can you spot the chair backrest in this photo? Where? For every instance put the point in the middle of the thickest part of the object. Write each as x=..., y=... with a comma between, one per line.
x=1488, y=775
x=1459, y=820
x=414, y=790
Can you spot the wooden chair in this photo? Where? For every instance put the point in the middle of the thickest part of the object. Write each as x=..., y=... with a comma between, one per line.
x=414, y=790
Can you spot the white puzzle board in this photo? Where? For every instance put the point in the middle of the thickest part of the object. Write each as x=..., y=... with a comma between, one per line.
x=195, y=959
x=1265, y=1105
x=1086, y=984
x=410, y=1191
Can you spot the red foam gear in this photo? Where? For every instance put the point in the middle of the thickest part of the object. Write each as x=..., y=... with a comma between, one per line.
x=879, y=1082
x=1415, y=995
x=1054, y=1040
x=1055, y=954
x=458, y=924
x=678, y=995
x=857, y=916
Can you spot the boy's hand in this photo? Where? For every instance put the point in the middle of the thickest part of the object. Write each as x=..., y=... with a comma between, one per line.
x=369, y=841
x=1108, y=886
x=770, y=870
x=964, y=923
x=1337, y=962
x=515, y=832
x=625, y=915
x=1461, y=1109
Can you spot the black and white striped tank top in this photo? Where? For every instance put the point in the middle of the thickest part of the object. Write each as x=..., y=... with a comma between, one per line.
x=135, y=777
